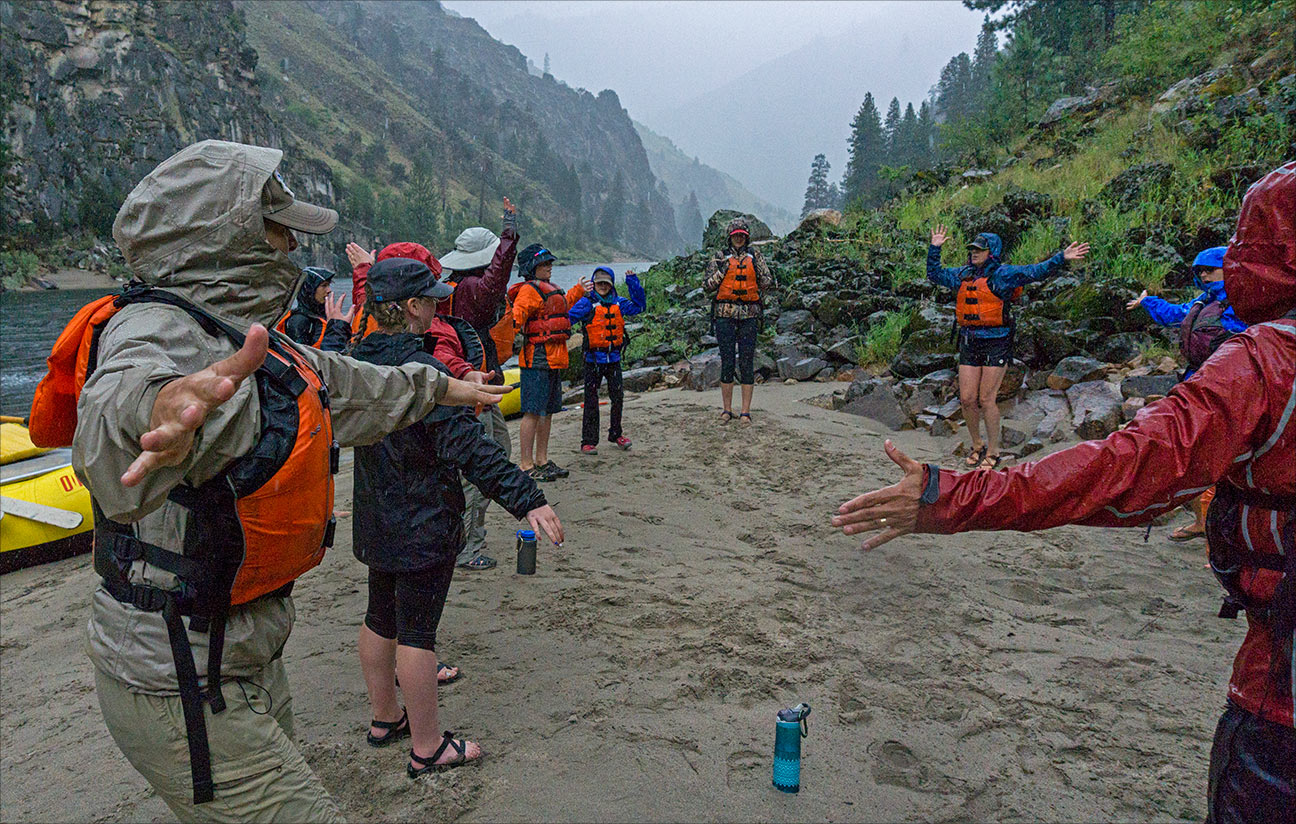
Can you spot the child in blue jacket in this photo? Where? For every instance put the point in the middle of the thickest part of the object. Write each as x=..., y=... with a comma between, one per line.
x=603, y=317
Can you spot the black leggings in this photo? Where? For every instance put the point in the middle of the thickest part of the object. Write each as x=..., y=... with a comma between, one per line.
x=407, y=605
x=737, y=338
x=1252, y=771
x=594, y=374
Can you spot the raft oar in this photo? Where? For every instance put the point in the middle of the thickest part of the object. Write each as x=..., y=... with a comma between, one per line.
x=40, y=513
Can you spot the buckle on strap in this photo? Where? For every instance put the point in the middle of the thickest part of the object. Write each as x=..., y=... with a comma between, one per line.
x=335, y=458
x=147, y=598
x=329, y=531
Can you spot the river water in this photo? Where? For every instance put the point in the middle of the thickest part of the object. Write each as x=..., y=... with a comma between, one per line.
x=31, y=321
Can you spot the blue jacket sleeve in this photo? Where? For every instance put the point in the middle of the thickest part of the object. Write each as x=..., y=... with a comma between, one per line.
x=1007, y=278
x=1166, y=313
x=1230, y=321
x=580, y=311
x=948, y=277
x=638, y=300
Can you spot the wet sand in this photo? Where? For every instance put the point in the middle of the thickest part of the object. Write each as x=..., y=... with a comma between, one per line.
x=1070, y=675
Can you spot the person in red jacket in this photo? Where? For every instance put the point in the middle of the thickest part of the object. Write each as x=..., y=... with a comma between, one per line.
x=1232, y=424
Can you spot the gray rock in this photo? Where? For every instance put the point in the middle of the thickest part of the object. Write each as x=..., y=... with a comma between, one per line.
x=941, y=428
x=951, y=410
x=921, y=398
x=1122, y=346
x=877, y=399
x=807, y=368
x=715, y=234
x=844, y=351
x=1141, y=386
x=1014, y=377
x=820, y=217
x=1131, y=407
x=704, y=371
x=977, y=174
x=1127, y=188
x=1075, y=369
x=796, y=320
x=1095, y=408
x=695, y=295
x=642, y=379
x=1011, y=437
x=1055, y=427
x=764, y=365
x=1030, y=447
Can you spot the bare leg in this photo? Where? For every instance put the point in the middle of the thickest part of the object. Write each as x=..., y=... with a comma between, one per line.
x=378, y=663
x=726, y=395
x=969, y=378
x=418, y=677
x=746, y=397
x=527, y=439
x=543, y=426
x=991, y=378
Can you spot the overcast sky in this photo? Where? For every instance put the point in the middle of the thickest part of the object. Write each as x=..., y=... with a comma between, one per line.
x=664, y=58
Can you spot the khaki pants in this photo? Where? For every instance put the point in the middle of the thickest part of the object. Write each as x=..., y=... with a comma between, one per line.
x=258, y=772
x=475, y=503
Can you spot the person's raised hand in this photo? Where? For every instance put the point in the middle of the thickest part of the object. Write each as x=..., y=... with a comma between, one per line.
x=1138, y=301
x=588, y=285
x=333, y=309
x=184, y=404
x=1075, y=251
x=509, y=208
x=467, y=393
x=544, y=519
x=939, y=235
x=893, y=509
x=479, y=377
x=357, y=255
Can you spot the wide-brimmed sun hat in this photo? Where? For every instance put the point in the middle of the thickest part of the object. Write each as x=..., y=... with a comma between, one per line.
x=474, y=248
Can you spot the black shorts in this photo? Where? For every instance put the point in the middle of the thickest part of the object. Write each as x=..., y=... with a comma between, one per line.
x=985, y=351
x=407, y=605
x=541, y=391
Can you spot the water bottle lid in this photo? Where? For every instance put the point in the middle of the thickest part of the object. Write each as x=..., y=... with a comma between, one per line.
x=526, y=534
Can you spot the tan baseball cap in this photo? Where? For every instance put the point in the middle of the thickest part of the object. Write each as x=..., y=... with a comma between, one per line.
x=280, y=205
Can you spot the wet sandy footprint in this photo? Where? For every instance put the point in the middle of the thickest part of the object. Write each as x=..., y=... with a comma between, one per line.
x=897, y=765
x=741, y=764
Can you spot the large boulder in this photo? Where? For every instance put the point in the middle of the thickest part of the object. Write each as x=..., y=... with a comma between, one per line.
x=877, y=399
x=704, y=371
x=1026, y=206
x=846, y=350
x=642, y=379
x=795, y=321
x=1123, y=346
x=1014, y=377
x=1094, y=100
x=1128, y=187
x=819, y=217
x=1075, y=369
x=924, y=351
x=801, y=369
x=1193, y=94
x=1096, y=408
x=1143, y=386
x=716, y=236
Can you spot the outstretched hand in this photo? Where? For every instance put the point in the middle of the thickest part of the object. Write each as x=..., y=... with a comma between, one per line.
x=893, y=509
x=185, y=403
x=1138, y=301
x=509, y=208
x=544, y=519
x=333, y=309
x=1075, y=251
x=467, y=393
x=939, y=235
x=479, y=378
x=357, y=255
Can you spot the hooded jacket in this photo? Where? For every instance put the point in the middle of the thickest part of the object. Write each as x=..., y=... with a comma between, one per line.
x=583, y=310
x=193, y=227
x=306, y=321
x=1166, y=313
x=1234, y=420
x=408, y=497
x=1001, y=277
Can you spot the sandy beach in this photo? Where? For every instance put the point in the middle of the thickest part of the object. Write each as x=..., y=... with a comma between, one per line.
x=1070, y=675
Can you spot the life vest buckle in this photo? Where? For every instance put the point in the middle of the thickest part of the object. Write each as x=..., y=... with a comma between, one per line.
x=147, y=598
x=124, y=547
x=335, y=458
x=329, y=531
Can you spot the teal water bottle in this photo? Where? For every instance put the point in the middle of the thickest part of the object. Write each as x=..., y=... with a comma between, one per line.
x=788, y=732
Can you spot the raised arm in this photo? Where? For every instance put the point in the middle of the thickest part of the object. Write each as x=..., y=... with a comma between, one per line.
x=638, y=300
x=1010, y=277
x=948, y=277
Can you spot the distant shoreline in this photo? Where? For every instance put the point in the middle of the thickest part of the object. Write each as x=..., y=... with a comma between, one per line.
x=72, y=279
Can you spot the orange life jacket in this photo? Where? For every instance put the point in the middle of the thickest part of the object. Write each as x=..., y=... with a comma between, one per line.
x=606, y=328
x=978, y=306
x=254, y=529
x=362, y=326
x=282, y=328
x=739, y=284
x=501, y=333
x=550, y=323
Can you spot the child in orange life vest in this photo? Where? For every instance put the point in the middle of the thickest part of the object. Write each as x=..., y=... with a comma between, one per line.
x=603, y=316
x=540, y=314
x=986, y=289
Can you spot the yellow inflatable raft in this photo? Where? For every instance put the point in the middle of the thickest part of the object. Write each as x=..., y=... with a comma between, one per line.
x=512, y=403
x=44, y=510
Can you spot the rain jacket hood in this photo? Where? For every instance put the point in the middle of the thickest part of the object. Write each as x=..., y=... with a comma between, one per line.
x=193, y=226
x=994, y=245
x=413, y=251
x=1260, y=265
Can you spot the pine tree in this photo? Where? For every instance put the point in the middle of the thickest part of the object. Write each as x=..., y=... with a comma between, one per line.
x=818, y=194
x=867, y=146
x=954, y=89
x=612, y=220
x=1025, y=73
x=926, y=136
x=691, y=223
x=911, y=140
x=892, y=129
x=546, y=63
x=983, y=61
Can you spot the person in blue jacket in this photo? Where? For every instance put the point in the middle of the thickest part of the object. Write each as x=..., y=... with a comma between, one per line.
x=1208, y=276
x=985, y=290
x=603, y=317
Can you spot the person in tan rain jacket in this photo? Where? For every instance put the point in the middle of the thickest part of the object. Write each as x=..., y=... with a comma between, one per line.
x=167, y=407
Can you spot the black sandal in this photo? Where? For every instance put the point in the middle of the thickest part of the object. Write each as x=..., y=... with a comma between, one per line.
x=992, y=460
x=429, y=765
x=746, y=415
x=974, y=460
x=726, y=416
x=396, y=730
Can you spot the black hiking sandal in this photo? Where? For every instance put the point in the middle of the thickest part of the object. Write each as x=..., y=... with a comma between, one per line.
x=555, y=471
x=974, y=459
x=746, y=415
x=479, y=562
x=396, y=730
x=726, y=416
x=538, y=474
x=429, y=765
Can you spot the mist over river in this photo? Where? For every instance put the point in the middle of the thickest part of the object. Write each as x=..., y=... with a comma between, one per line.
x=31, y=321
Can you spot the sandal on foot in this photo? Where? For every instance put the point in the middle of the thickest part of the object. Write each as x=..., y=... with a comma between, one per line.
x=479, y=562
x=748, y=416
x=991, y=462
x=976, y=457
x=429, y=765
x=442, y=666
x=726, y=416
x=396, y=730
x=1185, y=533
